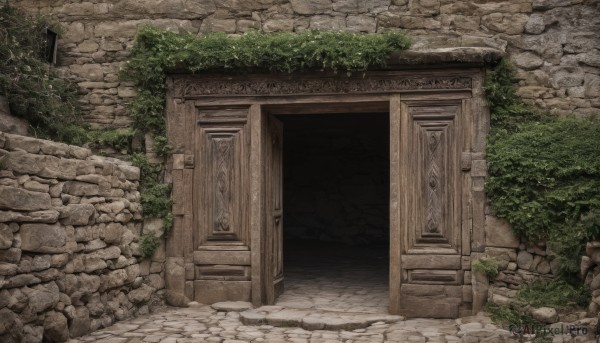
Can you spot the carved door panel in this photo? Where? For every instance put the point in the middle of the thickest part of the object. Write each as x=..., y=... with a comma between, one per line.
x=273, y=242
x=429, y=193
x=221, y=232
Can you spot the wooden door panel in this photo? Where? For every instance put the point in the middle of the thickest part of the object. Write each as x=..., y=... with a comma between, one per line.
x=434, y=148
x=431, y=268
x=221, y=246
x=274, y=208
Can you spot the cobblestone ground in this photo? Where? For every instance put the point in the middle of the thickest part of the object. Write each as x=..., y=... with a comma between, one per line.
x=321, y=292
x=204, y=324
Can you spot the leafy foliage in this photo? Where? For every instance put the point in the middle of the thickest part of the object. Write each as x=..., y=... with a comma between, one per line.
x=544, y=172
x=512, y=314
x=487, y=266
x=34, y=90
x=156, y=52
x=555, y=293
x=149, y=242
x=155, y=196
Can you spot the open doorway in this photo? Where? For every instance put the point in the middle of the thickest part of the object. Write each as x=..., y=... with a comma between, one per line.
x=336, y=212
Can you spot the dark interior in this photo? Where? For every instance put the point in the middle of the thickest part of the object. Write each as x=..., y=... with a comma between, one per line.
x=336, y=190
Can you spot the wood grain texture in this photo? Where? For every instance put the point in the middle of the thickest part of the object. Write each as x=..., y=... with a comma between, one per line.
x=227, y=178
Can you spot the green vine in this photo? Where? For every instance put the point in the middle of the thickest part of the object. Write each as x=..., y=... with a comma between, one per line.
x=157, y=52
x=544, y=172
x=488, y=266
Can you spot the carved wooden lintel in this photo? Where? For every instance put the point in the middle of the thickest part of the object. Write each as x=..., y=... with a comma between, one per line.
x=200, y=87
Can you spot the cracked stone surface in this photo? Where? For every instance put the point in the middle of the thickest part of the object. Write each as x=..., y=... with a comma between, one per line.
x=201, y=323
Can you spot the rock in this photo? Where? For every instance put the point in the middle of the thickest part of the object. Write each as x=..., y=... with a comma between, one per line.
x=80, y=324
x=115, y=278
x=10, y=123
x=43, y=238
x=546, y=315
x=77, y=214
x=36, y=186
x=591, y=85
x=176, y=299
x=155, y=281
x=548, y=4
x=499, y=233
x=28, y=144
x=595, y=284
x=232, y=306
x=543, y=267
x=361, y=23
x=56, y=328
x=535, y=25
x=524, y=260
x=12, y=255
x=584, y=266
x=592, y=249
x=43, y=297
x=46, y=216
x=8, y=269
x=41, y=262
x=141, y=295
x=528, y=61
x=88, y=72
x=12, y=198
x=21, y=280
x=80, y=188
x=311, y=6
x=6, y=236
x=568, y=77
x=509, y=23
x=11, y=327
x=327, y=23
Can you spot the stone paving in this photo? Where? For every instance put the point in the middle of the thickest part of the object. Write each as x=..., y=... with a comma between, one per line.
x=321, y=304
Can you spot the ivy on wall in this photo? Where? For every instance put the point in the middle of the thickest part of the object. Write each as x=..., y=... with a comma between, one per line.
x=544, y=172
x=37, y=93
x=34, y=91
x=157, y=52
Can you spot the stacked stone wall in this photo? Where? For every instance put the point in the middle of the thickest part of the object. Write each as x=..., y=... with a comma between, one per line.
x=554, y=43
x=70, y=259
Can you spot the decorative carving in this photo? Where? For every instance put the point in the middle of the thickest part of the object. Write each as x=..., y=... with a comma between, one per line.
x=223, y=153
x=434, y=188
x=190, y=87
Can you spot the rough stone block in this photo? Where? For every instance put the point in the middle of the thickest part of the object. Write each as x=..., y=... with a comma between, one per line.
x=12, y=198
x=43, y=238
x=77, y=214
x=499, y=233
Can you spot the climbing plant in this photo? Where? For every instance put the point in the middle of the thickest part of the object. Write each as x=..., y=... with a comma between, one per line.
x=544, y=171
x=34, y=90
x=157, y=52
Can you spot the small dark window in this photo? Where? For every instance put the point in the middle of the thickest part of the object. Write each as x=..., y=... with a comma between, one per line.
x=51, y=45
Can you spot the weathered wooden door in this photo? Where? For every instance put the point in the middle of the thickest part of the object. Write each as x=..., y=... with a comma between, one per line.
x=273, y=235
x=430, y=249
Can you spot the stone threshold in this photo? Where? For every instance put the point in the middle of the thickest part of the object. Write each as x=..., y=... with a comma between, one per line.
x=307, y=319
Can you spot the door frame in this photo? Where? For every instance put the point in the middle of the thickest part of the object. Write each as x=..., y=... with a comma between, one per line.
x=268, y=94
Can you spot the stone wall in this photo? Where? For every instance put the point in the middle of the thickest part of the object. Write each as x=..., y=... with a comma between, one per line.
x=70, y=224
x=553, y=42
x=519, y=262
x=336, y=178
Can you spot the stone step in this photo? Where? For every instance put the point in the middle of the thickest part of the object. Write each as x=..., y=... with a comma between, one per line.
x=313, y=319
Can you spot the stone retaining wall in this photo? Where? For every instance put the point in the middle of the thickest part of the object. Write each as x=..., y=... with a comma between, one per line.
x=519, y=262
x=69, y=252
x=554, y=43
